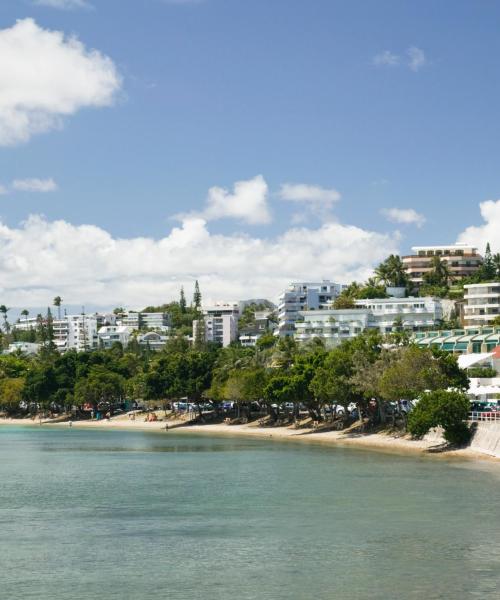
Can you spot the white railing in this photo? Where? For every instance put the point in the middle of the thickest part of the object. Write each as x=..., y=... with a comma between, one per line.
x=484, y=416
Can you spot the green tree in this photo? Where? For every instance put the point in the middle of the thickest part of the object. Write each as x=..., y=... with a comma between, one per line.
x=182, y=301
x=441, y=408
x=11, y=394
x=57, y=303
x=197, y=296
x=439, y=276
x=392, y=272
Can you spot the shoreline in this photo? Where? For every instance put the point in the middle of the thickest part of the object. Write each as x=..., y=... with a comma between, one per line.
x=380, y=442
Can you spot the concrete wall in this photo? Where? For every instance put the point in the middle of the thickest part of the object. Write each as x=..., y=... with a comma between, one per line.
x=487, y=439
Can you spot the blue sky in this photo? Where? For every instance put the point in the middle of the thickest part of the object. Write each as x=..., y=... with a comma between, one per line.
x=314, y=92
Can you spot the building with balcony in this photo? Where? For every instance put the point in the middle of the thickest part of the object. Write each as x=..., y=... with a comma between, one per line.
x=482, y=303
x=331, y=325
x=219, y=324
x=75, y=332
x=303, y=296
x=462, y=261
x=158, y=321
x=410, y=313
x=113, y=334
x=385, y=315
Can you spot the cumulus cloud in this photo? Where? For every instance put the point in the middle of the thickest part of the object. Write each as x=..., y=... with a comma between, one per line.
x=247, y=203
x=85, y=264
x=44, y=77
x=406, y=216
x=489, y=231
x=34, y=185
x=63, y=4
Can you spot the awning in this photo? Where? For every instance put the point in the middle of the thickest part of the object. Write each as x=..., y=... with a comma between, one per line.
x=467, y=360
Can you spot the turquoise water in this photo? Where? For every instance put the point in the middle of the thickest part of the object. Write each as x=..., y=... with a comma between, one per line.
x=127, y=515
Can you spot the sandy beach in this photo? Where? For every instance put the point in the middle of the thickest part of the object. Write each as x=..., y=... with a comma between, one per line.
x=385, y=442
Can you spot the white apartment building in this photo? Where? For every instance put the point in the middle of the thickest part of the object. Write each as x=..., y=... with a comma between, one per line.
x=75, y=332
x=331, y=325
x=302, y=296
x=112, y=334
x=334, y=326
x=482, y=303
x=220, y=323
x=412, y=313
x=159, y=321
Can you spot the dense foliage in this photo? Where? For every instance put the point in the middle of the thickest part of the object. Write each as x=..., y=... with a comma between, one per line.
x=441, y=408
x=277, y=377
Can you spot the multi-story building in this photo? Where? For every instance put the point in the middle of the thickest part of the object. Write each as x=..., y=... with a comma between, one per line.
x=331, y=325
x=113, y=334
x=159, y=321
x=75, y=332
x=482, y=303
x=219, y=323
x=462, y=261
x=385, y=315
x=410, y=313
x=302, y=296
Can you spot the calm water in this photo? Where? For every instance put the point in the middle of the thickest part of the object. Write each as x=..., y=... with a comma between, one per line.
x=126, y=515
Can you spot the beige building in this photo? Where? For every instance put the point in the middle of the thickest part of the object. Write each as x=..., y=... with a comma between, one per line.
x=461, y=259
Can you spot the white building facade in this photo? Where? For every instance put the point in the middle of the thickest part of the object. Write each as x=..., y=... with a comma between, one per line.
x=219, y=323
x=482, y=303
x=409, y=313
x=302, y=296
x=113, y=334
x=385, y=315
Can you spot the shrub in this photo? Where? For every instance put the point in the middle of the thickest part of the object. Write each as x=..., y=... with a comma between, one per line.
x=448, y=410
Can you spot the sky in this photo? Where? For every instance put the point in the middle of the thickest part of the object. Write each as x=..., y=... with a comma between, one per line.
x=245, y=143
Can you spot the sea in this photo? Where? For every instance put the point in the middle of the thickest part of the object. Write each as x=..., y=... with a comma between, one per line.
x=119, y=515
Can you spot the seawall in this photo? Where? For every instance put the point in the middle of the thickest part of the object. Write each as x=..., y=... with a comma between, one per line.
x=486, y=439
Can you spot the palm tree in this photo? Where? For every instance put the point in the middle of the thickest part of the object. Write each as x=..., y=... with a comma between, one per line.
x=25, y=313
x=57, y=302
x=392, y=272
x=4, y=310
x=440, y=274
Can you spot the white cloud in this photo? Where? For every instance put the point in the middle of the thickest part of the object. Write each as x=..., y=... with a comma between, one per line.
x=415, y=60
x=85, y=264
x=488, y=232
x=312, y=198
x=63, y=4
x=247, y=203
x=406, y=216
x=34, y=185
x=303, y=192
x=386, y=59
x=44, y=77
x=3, y=190
x=416, y=57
